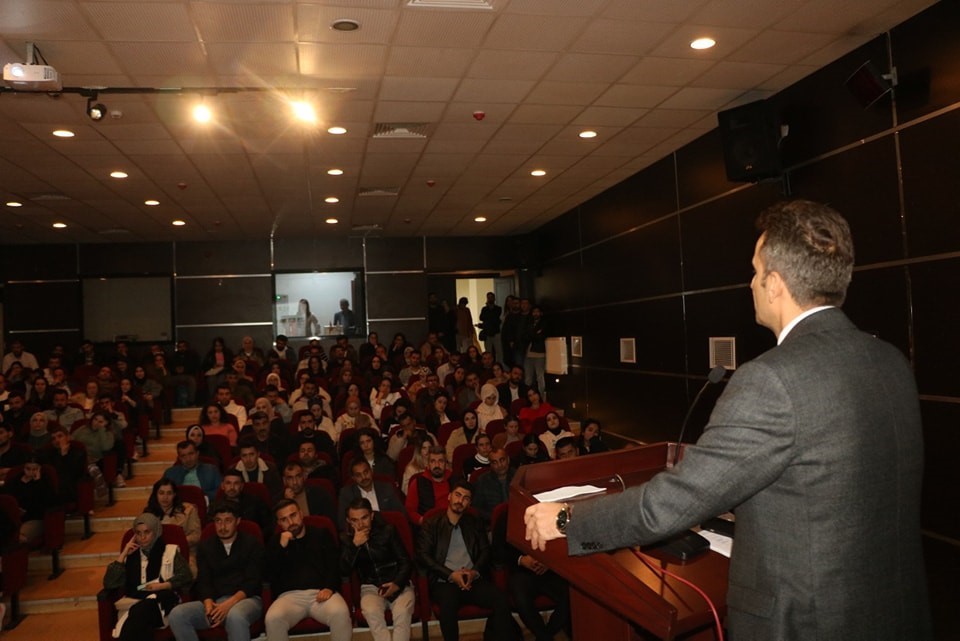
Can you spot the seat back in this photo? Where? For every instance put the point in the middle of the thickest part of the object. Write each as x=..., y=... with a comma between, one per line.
x=251, y=528
x=494, y=427
x=461, y=454
x=221, y=445
x=445, y=430
x=193, y=494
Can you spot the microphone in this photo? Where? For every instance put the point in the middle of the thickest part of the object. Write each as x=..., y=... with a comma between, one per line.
x=715, y=376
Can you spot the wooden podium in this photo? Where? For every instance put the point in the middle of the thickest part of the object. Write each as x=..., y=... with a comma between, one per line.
x=616, y=596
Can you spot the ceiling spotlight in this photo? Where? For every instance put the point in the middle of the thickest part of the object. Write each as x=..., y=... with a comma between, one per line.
x=303, y=111
x=331, y=221
x=480, y=219
x=202, y=113
x=14, y=203
x=151, y=203
x=59, y=225
x=344, y=24
x=178, y=223
x=538, y=172
x=337, y=131
x=63, y=133
x=587, y=134
x=335, y=172
x=118, y=174
x=331, y=199
x=96, y=111
x=703, y=43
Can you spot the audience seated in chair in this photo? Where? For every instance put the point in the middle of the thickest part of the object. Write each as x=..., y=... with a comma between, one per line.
x=311, y=500
x=165, y=504
x=431, y=488
x=255, y=469
x=252, y=507
x=189, y=470
x=383, y=496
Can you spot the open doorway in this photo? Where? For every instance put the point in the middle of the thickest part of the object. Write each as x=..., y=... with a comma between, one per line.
x=452, y=287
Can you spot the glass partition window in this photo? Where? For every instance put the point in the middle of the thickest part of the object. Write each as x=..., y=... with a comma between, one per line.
x=318, y=304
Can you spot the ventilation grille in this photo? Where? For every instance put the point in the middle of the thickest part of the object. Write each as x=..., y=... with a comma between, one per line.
x=401, y=130
x=628, y=350
x=367, y=192
x=723, y=352
x=451, y=4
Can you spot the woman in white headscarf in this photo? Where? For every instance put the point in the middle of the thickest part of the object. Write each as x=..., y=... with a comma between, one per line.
x=489, y=408
x=149, y=571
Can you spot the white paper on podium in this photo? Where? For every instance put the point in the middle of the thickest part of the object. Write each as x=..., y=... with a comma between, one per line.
x=718, y=543
x=568, y=492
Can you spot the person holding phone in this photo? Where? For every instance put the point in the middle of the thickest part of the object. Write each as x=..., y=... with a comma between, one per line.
x=373, y=548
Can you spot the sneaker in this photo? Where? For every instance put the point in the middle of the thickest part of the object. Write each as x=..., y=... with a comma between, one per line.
x=119, y=482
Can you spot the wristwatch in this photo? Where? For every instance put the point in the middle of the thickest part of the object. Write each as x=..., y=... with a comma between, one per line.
x=564, y=516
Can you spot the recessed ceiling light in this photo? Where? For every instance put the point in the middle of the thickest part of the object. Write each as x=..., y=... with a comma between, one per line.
x=336, y=131
x=538, y=172
x=59, y=225
x=331, y=221
x=703, y=43
x=303, y=111
x=63, y=133
x=151, y=203
x=178, y=223
x=331, y=199
x=480, y=219
x=118, y=174
x=587, y=134
x=345, y=24
x=202, y=113
x=14, y=203
x=335, y=172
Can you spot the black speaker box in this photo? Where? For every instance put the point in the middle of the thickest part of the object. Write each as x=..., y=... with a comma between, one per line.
x=750, y=135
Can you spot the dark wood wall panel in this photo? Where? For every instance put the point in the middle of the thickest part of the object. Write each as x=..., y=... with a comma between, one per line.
x=240, y=257
x=307, y=254
x=562, y=284
x=558, y=237
x=639, y=199
x=123, y=259
x=719, y=237
x=648, y=408
x=400, y=254
x=637, y=265
x=463, y=253
x=727, y=312
x=941, y=492
x=877, y=303
x=29, y=262
x=931, y=189
x=700, y=170
x=31, y=306
x=201, y=301
x=414, y=330
x=201, y=338
x=397, y=296
x=936, y=317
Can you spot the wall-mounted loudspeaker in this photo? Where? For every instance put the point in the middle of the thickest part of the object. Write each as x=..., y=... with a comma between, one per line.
x=750, y=135
x=868, y=85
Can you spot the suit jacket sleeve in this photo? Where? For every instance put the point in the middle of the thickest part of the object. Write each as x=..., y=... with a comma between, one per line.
x=745, y=447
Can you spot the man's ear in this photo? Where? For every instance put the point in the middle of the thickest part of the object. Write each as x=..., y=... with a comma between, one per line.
x=774, y=287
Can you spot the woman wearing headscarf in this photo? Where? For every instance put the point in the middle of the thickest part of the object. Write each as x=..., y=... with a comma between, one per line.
x=489, y=408
x=149, y=571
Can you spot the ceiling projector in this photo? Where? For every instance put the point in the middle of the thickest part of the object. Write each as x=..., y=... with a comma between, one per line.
x=29, y=77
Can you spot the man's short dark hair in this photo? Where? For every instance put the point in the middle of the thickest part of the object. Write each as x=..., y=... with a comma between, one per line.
x=223, y=386
x=281, y=337
x=462, y=484
x=810, y=246
x=359, y=461
x=232, y=471
x=292, y=465
x=247, y=441
x=256, y=416
x=182, y=445
x=564, y=442
x=284, y=503
x=59, y=390
x=437, y=449
x=221, y=506
x=270, y=388
x=359, y=503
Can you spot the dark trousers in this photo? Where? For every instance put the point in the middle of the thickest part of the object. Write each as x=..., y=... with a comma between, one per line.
x=450, y=598
x=144, y=617
x=526, y=586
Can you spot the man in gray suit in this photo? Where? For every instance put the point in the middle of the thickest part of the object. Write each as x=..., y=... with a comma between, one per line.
x=816, y=443
x=383, y=496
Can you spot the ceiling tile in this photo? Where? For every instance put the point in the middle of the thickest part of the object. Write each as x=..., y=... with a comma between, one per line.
x=737, y=75
x=401, y=88
x=443, y=28
x=667, y=72
x=566, y=93
x=534, y=32
x=780, y=47
x=616, y=36
x=244, y=22
x=141, y=21
x=610, y=116
x=502, y=65
x=429, y=62
x=746, y=14
x=341, y=61
x=635, y=96
x=314, y=24
x=482, y=91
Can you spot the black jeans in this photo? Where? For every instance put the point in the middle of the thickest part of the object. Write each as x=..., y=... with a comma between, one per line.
x=450, y=598
x=526, y=586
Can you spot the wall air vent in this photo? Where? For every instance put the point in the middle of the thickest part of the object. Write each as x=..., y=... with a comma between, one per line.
x=628, y=350
x=401, y=130
x=723, y=351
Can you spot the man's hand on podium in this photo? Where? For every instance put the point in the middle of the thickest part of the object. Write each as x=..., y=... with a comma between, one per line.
x=541, y=522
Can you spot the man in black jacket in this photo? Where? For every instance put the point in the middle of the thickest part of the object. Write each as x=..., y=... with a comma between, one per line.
x=303, y=572
x=229, y=568
x=373, y=548
x=454, y=551
x=251, y=507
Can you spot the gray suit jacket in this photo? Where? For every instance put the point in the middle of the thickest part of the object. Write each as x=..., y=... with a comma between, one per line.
x=817, y=444
x=387, y=498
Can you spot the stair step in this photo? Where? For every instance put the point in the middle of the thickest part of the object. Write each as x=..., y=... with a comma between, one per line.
x=97, y=551
x=76, y=588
